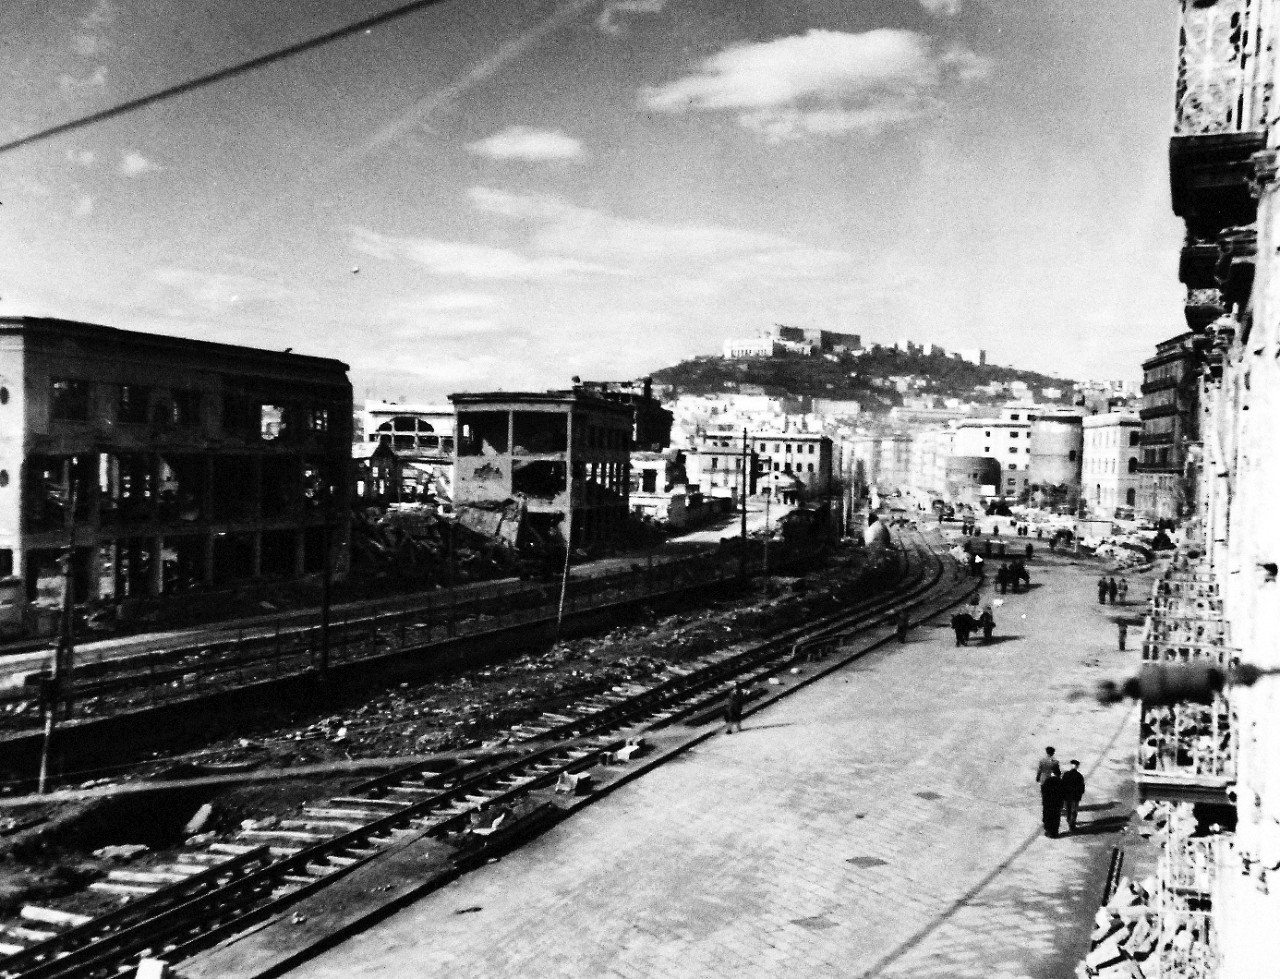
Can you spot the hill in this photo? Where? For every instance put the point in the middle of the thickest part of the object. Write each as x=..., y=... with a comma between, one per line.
x=863, y=378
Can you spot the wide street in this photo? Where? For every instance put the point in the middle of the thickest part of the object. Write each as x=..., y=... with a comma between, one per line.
x=883, y=822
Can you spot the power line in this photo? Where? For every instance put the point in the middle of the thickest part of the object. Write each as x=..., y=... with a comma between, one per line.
x=221, y=74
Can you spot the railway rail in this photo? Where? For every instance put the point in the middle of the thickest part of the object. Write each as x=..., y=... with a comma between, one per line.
x=190, y=671
x=206, y=894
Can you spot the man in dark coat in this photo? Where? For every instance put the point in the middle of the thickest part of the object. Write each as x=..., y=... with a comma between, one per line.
x=1072, y=793
x=1102, y=590
x=1112, y=590
x=733, y=710
x=963, y=625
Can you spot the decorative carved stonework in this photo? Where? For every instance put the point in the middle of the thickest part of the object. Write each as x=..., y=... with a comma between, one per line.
x=1221, y=88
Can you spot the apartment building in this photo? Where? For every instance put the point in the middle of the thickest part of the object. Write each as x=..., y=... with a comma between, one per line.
x=1112, y=464
x=1007, y=441
x=805, y=455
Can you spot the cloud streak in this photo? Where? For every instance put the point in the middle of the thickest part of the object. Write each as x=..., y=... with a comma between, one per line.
x=823, y=82
x=615, y=14
x=528, y=144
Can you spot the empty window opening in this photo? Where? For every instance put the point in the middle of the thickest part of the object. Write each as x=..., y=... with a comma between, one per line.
x=132, y=404
x=540, y=433
x=482, y=433
x=69, y=400
x=541, y=480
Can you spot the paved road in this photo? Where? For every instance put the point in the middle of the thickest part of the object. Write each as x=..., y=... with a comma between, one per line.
x=883, y=823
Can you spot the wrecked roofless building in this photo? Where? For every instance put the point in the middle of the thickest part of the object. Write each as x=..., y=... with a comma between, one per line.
x=512, y=445
x=187, y=464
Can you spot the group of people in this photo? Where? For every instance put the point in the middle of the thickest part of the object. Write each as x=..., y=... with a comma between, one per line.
x=971, y=619
x=1060, y=793
x=1012, y=574
x=1111, y=590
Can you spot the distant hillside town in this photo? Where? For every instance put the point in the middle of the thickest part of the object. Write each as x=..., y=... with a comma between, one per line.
x=780, y=341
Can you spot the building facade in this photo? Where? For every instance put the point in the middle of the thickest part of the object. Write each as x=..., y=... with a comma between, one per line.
x=566, y=453
x=650, y=421
x=1057, y=451
x=718, y=468
x=1170, y=429
x=1112, y=460
x=804, y=455
x=422, y=441
x=1005, y=440
x=174, y=464
x=1212, y=767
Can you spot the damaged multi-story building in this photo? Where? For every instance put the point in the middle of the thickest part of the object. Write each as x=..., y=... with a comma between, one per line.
x=173, y=464
x=565, y=454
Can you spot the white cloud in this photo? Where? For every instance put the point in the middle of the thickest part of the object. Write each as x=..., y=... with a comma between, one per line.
x=823, y=82
x=101, y=14
x=72, y=83
x=213, y=292
x=615, y=13
x=468, y=261
x=448, y=302
x=81, y=158
x=942, y=8
x=525, y=143
x=134, y=164
x=638, y=245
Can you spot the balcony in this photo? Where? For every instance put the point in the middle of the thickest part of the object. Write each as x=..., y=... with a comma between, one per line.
x=1223, y=94
x=1188, y=751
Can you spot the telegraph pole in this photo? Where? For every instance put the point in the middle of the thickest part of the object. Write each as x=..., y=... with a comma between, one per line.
x=64, y=653
x=746, y=483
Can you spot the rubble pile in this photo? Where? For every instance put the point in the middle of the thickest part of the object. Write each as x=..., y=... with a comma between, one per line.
x=1125, y=934
x=1163, y=924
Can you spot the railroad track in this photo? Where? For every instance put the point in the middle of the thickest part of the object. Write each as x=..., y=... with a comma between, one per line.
x=145, y=679
x=207, y=894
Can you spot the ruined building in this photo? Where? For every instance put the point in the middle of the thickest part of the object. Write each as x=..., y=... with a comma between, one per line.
x=173, y=464
x=567, y=454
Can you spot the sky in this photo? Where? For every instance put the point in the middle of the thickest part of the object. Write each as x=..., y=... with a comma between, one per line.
x=502, y=194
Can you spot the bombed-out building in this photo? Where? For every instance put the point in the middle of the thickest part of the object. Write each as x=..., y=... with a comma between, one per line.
x=174, y=464
x=566, y=453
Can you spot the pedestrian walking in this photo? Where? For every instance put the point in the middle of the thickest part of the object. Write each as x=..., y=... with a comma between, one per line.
x=1030, y=551
x=1048, y=766
x=1049, y=778
x=733, y=710
x=988, y=622
x=1124, y=589
x=1112, y=590
x=1051, y=805
x=1002, y=578
x=961, y=624
x=1072, y=793
x=1102, y=590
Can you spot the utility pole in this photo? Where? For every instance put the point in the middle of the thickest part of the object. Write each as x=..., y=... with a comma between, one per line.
x=746, y=483
x=64, y=653
x=568, y=525
x=326, y=582
x=768, y=497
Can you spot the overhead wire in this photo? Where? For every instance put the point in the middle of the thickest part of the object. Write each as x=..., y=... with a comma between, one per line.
x=222, y=74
